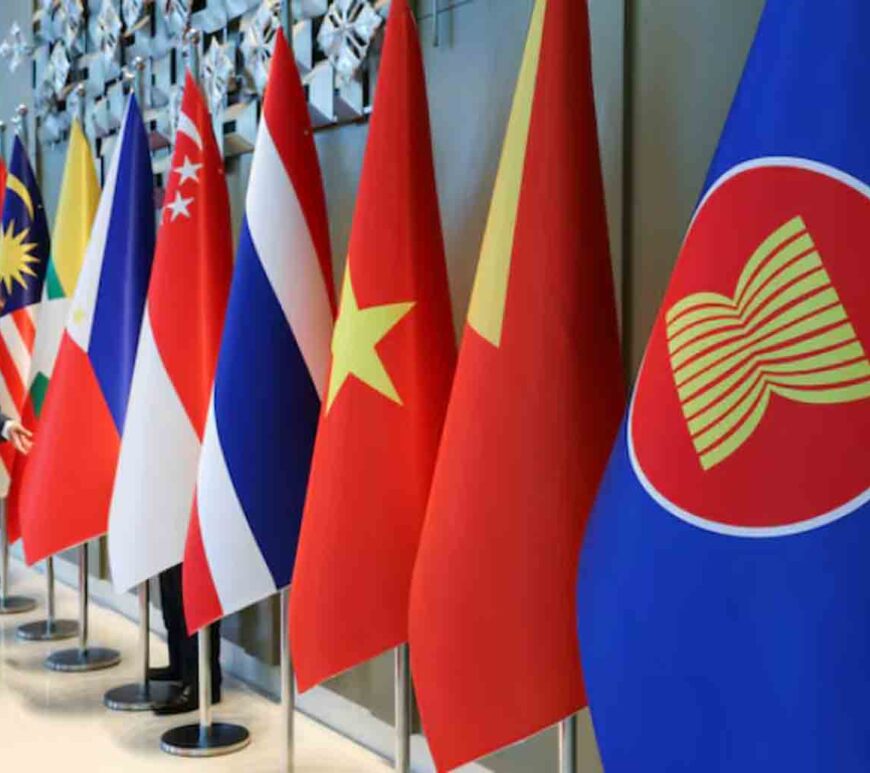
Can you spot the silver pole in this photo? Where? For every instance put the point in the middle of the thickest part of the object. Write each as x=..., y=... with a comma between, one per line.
x=21, y=127
x=204, y=653
x=191, y=52
x=139, y=82
x=83, y=597
x=436, y=33
x=287, y=21
x=145, y=629
x=568, y=745
x=288, y=695
x=3, y=140
x=49, y=593
x=4, y=553
x=403, y=709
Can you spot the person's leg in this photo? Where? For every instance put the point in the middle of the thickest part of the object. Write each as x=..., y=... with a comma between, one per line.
x=173, y=619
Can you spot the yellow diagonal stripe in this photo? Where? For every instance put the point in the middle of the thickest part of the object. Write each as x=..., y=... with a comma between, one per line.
x=20, y=189
x=488, y=297
x=786, y=332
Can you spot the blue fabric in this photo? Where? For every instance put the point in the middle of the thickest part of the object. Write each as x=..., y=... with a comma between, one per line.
x=129, y=252
x=703, y=652
x=266, y=409
x=17, y=216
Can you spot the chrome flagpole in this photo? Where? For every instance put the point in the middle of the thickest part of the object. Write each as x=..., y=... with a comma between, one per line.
x=207, y=738
x=568, y=745
x=83, y=657
x=403, y=709
x=288, y=690
x=11, y=605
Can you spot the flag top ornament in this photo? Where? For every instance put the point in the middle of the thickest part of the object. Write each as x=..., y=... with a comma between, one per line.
x=271, y=373
x=174, y=373
x=393, y=355
x=24, y=252
x=72, y=465
x=77, y=204
x=535, y=406
x=724, y=582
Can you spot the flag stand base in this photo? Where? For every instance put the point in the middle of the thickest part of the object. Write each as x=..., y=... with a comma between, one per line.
x=78, y=660
x=48, y=630
x=211, y=741
x=16, y=605
x=139, y=697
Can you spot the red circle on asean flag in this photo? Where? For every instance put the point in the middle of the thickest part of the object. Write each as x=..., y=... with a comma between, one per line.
x=751, y=413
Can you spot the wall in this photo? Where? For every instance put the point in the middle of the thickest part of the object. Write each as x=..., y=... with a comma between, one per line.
x=684, y=59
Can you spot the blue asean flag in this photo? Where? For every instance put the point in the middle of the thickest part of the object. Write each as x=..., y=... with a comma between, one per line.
x=724, y=588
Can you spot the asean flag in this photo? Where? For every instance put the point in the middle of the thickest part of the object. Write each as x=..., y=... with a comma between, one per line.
x=393, y=354
x=724, y=586
x=535, y=406
x=67, y=484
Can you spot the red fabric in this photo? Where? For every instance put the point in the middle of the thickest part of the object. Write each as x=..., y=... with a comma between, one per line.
x=67, y=482
x=202, y=606
x=373, y=457
x=2, y=183
x=193, y=265
x=493, y=622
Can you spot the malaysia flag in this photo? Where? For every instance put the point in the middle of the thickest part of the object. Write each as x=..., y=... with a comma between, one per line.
x=271, y=372
x=177, y=356
x=67, y=484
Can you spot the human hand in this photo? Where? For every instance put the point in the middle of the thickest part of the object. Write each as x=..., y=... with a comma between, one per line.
x=19, y=436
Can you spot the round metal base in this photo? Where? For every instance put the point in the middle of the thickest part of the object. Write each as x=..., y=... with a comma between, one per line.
x=195, y=741
x=139, y=697
x=90, y=659
x=15, y=605
x=44, y=630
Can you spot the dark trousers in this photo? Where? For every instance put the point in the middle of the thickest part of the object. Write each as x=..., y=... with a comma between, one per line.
x=183, y=659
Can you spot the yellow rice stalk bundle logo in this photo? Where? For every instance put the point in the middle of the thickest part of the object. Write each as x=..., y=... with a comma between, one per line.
x=784, y=332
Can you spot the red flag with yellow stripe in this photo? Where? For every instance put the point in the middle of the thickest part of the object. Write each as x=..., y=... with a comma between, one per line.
x=393, y=353
x=535, y=406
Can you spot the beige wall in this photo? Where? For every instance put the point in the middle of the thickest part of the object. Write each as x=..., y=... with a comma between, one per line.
x=685, y=57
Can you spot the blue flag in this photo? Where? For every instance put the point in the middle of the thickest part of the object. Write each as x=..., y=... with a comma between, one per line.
x=724, y=587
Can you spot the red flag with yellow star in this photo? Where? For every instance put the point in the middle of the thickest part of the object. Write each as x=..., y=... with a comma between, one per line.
x=535, y=407
x=393, y=353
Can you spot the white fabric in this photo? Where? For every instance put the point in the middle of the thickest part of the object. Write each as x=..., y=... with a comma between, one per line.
x=156, y=475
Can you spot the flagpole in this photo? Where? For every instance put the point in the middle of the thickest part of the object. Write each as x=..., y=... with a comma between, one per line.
x=51, y=629
x=207, y=738
x=288, y=693
x=11, y=605
x=568, y=745
x=403, y=709
x=83, y=657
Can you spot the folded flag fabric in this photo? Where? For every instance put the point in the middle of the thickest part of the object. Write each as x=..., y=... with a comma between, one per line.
x=392, y=361
x=67, y=483
x=724, y=584
x=25, y=247
x=271, y=371
x=177, y=356
x=535, y=406
x=77, y=205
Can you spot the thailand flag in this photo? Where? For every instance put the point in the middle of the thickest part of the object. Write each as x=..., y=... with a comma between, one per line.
x=175, y=364
x=67, y=484
x=724, y=586
x=271, y=372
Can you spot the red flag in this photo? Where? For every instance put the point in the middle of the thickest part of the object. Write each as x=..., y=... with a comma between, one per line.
x=393, y=356
x=535, y=406
x=2, y=182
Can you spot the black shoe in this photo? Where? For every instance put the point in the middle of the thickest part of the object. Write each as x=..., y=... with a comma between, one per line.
x=185, y=700
x=163, y=675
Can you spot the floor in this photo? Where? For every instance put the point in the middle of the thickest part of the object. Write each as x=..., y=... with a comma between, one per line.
x=57, y=722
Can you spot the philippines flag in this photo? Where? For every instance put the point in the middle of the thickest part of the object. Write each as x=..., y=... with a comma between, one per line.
x=177, y=355
x=271, y=372
x=724, y=586
x=67, y=484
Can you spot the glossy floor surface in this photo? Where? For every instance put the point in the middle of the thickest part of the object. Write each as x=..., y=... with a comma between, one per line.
x=56, y=722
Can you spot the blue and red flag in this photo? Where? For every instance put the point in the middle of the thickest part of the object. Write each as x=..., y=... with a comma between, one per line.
x=271, y=370
x=25, y=246
x=67, y=484
x=724, y=586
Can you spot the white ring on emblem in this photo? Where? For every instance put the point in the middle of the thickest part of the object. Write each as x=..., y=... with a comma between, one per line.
x=695, y=520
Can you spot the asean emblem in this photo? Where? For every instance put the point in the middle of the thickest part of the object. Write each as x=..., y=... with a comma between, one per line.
x=751, y=415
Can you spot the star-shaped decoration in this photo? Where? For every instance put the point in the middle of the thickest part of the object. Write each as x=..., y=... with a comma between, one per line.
x=180, y=206
x=79, y=315
x=357, y=334
x=188, y=171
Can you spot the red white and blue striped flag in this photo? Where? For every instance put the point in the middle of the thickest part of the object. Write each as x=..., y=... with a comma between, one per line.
x=271, y=372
